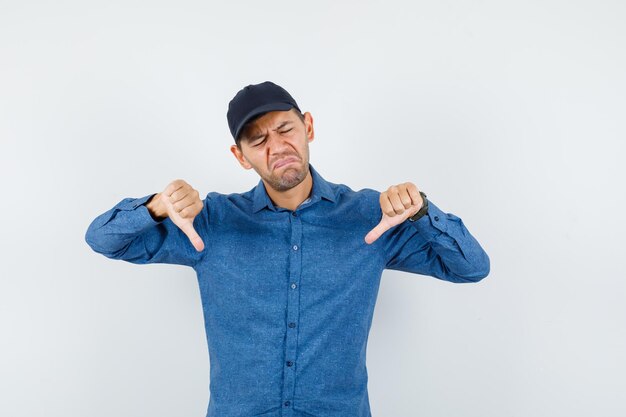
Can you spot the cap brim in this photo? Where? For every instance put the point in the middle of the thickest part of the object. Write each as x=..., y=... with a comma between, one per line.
x=260, y=110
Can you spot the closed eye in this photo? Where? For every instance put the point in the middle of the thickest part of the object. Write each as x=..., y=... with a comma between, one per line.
x=261, y=141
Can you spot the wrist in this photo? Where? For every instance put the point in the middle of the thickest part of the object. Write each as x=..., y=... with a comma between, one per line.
x=156, y=208
x=422, y=211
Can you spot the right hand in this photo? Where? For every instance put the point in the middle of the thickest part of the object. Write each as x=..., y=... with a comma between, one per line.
x=181, y=203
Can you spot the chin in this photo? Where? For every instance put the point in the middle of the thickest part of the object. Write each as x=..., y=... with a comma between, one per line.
x=288, y=180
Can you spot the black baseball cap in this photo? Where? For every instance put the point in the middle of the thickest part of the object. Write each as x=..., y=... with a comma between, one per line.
x=254, y=100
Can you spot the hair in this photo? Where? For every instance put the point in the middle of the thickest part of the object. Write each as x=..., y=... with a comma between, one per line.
x=251, y=121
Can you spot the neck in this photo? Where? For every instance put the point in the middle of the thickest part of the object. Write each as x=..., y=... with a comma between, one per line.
x=293, y=197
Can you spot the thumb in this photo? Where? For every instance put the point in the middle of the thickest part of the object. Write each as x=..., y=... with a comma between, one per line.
x=376, y=232
x=196, y=241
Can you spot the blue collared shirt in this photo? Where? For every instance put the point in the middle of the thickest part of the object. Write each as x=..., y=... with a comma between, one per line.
x=288, y=296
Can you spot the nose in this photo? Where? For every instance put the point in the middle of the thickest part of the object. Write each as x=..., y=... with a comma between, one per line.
x=276, y=144
x=278, y=148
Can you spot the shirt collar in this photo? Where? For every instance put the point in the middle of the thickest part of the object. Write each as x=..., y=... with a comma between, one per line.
x=321, y=189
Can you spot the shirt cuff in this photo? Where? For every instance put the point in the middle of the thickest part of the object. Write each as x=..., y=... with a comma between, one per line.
x=133, y=203
x=139, y=204
x=433, y=223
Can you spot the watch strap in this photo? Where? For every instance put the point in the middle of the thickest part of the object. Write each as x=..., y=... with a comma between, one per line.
x=422, y=211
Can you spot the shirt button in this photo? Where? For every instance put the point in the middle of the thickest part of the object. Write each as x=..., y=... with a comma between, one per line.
x=295, y=247
x=287, y=403
x=289, y=363
x=294, y=214
x=292, y=324
x=436, y=218
x=293, y=286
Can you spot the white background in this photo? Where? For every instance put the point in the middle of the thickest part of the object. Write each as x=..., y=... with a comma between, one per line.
x=507, y=114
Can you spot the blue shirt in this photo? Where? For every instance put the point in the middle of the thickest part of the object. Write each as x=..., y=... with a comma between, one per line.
x=288, y=296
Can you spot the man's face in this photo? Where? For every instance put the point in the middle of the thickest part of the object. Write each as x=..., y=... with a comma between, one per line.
x=276, y=146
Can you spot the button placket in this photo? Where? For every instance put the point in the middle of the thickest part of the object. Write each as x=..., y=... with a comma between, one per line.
x=293, y=310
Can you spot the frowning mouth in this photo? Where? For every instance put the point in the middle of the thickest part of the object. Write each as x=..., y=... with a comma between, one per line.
x=284, y=162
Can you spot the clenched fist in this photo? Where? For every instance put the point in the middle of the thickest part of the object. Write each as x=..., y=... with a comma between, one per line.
x=398, y=203
x=181, y=203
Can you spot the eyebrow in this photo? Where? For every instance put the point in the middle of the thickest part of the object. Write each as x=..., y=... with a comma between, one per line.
x=255, y=137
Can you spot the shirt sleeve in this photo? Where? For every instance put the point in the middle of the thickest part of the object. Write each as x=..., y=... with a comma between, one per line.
x=128, y=232
x=439, y=245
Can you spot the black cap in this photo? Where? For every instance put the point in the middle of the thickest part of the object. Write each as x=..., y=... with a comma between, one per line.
x=254, y=100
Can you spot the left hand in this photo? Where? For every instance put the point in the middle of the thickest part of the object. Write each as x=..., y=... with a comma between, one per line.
x=398, y=203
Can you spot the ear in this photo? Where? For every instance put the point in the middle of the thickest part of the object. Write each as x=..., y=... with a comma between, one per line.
x=240, y=157
x=308, y=126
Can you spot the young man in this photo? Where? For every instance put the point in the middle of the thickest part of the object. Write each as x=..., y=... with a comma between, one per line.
x=289, y=271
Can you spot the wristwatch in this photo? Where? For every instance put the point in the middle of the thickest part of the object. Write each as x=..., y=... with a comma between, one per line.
x=422, y=211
